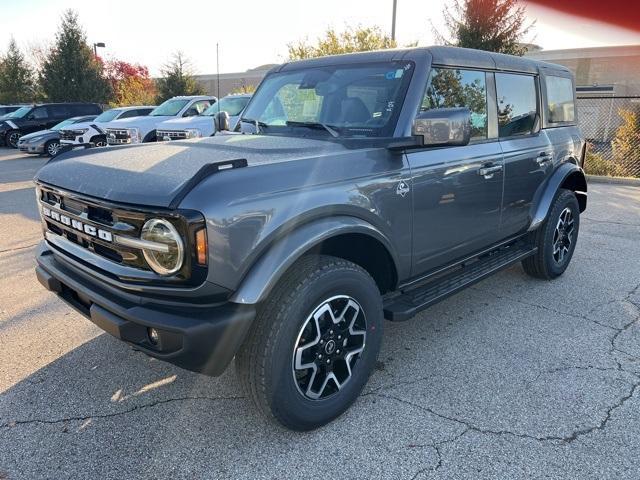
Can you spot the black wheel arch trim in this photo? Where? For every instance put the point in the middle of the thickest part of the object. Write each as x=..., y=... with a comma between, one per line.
x=276, y=260
x=568, y=175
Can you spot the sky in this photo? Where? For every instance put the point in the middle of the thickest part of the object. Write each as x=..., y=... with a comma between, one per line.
x=256, y=32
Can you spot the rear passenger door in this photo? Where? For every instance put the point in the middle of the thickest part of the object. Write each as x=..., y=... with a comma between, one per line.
x=528, y=154
x=58, y=113
x=456, y=209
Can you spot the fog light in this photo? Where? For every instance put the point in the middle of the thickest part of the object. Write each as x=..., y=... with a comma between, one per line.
x=154, y=336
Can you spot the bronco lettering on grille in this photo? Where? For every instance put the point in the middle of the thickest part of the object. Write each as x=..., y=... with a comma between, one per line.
x=77, y=224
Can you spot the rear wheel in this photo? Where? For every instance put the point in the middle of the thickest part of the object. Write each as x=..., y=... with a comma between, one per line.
x=556, y=238
x=11, y=138
x=314, y=343
x=52, y=147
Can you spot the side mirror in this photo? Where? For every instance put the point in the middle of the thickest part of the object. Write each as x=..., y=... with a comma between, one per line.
x=443, y=126
x=192, y=112
x=221, y=120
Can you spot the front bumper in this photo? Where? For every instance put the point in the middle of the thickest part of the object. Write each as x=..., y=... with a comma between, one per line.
x=201, y=339
x=37, y=148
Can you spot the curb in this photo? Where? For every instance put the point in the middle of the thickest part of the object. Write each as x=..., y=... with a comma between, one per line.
x=634, y=182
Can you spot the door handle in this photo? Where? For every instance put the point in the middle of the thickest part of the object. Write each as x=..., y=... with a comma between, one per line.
x=488, y=171
x=543, y=157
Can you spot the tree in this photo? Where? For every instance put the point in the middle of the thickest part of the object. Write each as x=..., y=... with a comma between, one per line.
x=244, y=88
x=177, y=79
x=16, y=77
x=492, y=25
x=130, y=84
x=626, y=143
x=359, y=39
x=72, y=72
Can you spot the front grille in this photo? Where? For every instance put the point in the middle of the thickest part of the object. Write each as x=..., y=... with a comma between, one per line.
x=118, y=136
x=92, y=226
x=171, y=134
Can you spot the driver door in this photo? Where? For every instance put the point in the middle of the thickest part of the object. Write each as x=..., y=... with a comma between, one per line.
x=456, y=208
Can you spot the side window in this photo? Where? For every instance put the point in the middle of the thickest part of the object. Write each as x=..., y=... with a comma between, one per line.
x=39, y=113
x=129, y=114
x=517, y=104
x=448, y=88
x=560, y=99
x=59, y=111
x=201, y=106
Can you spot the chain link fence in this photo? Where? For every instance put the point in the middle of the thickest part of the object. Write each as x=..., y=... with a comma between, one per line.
x=611, y=126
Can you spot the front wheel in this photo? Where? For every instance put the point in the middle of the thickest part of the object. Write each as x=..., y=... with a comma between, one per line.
x=99, y=141
x=314, y=343
x=556, y=238
x=11, y=138
x=52, y=147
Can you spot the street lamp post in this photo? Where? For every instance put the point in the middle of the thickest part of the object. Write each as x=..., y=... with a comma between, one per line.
x=95, y=47
x=393, y=20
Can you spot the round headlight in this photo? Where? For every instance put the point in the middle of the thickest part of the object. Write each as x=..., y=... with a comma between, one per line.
x=163, y=232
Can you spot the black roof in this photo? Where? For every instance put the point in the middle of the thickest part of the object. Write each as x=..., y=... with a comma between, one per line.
x=59, y=103
x=454, y=56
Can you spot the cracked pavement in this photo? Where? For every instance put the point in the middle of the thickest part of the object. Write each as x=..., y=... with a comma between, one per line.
x=512, y=378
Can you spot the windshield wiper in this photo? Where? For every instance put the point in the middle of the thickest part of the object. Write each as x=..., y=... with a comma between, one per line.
x=256, y=123
x=329, y=128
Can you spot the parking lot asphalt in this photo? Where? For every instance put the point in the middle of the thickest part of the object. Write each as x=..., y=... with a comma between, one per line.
x=513, y=378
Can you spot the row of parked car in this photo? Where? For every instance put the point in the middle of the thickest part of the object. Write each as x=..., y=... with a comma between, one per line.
x=48, y=128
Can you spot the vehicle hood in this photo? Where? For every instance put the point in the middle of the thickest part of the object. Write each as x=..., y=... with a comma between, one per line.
x=156, y=173
x=182, y=123
x=41, y=133
x=79, y=125
x=147, y=122
x=10, y=122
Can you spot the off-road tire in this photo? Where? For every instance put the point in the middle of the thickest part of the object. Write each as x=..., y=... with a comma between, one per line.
x=264, y=362
x=543, y=264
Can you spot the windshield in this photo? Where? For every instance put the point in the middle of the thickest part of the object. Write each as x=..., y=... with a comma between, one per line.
x=232, y=105
x=352, y=100
x=64, y=123
x=20, y=113
x=170, y=108
x=107, y=116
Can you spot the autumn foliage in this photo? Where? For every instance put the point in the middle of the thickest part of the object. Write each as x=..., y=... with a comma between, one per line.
x=130, y=83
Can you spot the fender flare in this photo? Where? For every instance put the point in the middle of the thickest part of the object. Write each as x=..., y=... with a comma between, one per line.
x=555, y=182
x=272, y=264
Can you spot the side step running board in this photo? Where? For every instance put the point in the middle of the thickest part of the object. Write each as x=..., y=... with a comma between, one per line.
x=407, y=303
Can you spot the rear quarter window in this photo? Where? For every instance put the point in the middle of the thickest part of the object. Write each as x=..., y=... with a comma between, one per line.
x=560, y=104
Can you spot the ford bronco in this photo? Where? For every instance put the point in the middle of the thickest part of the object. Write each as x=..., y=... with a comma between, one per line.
x=355, y=188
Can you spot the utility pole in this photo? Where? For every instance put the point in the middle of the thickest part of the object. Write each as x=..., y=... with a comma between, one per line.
x=218, y=74
x=393, y=20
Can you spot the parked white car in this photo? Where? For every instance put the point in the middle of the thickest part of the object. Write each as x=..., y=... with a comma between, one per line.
x=93, y=133
x=143, y=129
x=203, y=125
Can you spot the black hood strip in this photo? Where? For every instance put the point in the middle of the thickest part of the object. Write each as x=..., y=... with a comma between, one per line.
x=204, y=172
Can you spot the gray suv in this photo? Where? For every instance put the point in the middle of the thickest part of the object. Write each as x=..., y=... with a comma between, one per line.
x=356, y=188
